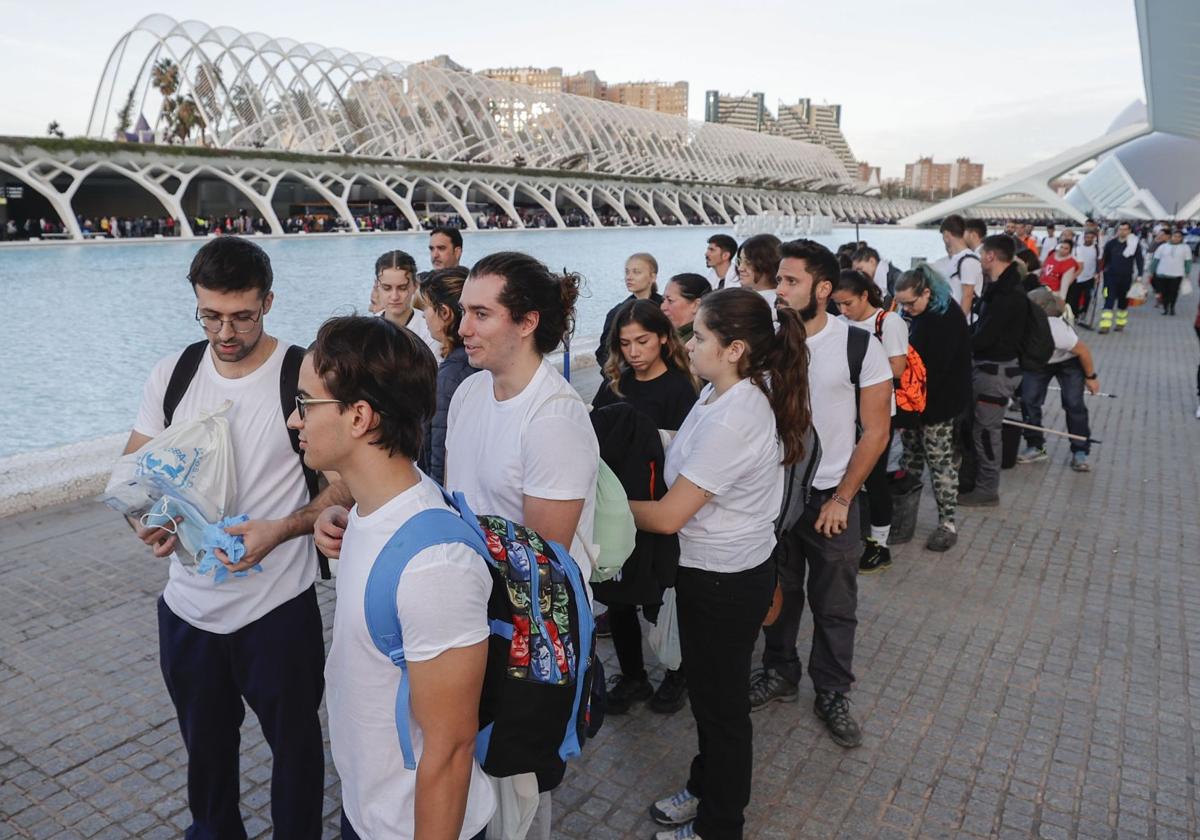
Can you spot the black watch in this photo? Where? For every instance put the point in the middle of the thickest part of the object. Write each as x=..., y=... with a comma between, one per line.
x=1093, y=375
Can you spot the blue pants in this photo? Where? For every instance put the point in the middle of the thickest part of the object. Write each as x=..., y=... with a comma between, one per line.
x=1116, y=290
x=1033, y=396
x=276, y=664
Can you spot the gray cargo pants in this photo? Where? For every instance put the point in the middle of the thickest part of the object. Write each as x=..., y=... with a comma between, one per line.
x=993, y=384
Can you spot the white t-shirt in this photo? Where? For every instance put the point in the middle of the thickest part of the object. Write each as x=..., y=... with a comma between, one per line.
x=442, y=604
x=895, y=337
x=834, y=408
x=732, y=281
x=270, y=485
x=528, y=445
x=881, y=273
x=731, y=449
x=1049, y=243
x=1172, y=259
x=970, y=273
x=1065, y=340
x=1087, y=257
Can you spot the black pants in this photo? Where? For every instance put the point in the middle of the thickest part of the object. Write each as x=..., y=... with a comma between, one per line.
x=348, y=832
x=1169, y=287
x=627, y=640
x=719, y=619
x=1079, y=296
x=277, y=664
x=831, y=567
x=879, y=491
x=1116, y=290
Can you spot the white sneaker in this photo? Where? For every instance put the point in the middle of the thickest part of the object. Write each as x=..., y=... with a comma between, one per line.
x=1031, y=454
x=684, y=832
x=1198, y=412
x=679, y=809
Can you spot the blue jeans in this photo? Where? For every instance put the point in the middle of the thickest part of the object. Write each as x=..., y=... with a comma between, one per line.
x=1069, y=375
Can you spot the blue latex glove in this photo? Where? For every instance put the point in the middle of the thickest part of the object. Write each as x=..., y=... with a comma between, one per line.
x=214, y=537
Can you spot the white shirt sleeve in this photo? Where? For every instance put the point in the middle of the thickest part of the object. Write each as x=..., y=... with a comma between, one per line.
x=875, y=367
x=560, y=452
x=970, y=272
x=718, y=457
x=150, y=420
x=442, y=601
x=895, y=335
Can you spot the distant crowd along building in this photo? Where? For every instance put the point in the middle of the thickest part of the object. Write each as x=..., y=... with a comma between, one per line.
x=663, y=97
x=926, y=178
x=805, y=120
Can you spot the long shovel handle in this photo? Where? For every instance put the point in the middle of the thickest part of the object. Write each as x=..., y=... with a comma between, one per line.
x=1044, y=430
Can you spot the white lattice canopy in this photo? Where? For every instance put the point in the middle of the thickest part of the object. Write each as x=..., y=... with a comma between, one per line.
x=255, y=91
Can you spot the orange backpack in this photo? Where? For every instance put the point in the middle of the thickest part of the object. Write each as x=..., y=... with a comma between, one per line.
x=912, y=388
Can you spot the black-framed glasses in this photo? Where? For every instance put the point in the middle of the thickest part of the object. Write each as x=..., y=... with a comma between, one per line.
x=215, y=323
x=302, y=404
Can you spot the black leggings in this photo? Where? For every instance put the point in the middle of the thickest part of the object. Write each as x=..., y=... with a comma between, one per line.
x=879, y=491
x=627, y=640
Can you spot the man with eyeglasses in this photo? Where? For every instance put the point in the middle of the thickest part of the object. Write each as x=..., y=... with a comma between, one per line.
x=255, y=637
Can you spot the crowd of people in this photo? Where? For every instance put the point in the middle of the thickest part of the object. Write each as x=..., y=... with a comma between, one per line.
x=762, y=417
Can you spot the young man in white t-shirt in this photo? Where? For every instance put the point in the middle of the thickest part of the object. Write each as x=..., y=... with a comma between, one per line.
x=719, y=258
x=519, y=443
x=253, y=634
x=366, y=392
x=826, y=545
x=965, y=271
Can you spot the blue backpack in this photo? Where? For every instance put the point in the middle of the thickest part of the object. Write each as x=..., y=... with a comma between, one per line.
x=535, y=709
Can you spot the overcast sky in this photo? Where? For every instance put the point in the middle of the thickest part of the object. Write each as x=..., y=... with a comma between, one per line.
x=1004, y=83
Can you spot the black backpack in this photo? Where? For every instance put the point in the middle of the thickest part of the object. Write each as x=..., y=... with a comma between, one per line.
x=1037, y=343
x=289, y=376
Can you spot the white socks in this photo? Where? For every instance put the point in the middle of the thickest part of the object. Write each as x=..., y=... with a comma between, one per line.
x=880, y=535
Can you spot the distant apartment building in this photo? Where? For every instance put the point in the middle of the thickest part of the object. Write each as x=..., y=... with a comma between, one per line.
x=586, y=84
x=942, y=179
x=663, y=97
x=549, y=80
x=868, y=174
x=805, y=121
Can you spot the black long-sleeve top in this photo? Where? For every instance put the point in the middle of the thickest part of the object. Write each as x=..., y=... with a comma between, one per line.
x=1116, y=264
x=1003, y=311
x=943, y=342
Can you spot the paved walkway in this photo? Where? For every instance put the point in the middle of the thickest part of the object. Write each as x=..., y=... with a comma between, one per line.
x=1034, y=682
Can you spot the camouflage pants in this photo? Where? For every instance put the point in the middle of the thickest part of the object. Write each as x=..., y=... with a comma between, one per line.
x=934, y=444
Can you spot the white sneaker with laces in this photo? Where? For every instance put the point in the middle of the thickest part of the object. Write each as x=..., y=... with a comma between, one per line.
x=683, y=832
x=678, y=809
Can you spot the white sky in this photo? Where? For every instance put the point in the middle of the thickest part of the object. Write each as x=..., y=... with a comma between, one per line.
x=1006, y=84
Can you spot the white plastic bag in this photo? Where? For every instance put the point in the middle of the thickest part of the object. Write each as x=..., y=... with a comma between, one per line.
x=187, y=470
x=664, y=636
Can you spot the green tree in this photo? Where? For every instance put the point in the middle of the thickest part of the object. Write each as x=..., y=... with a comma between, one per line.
x=125, y=116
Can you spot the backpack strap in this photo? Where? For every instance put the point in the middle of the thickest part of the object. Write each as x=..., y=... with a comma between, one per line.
x=425, y=530
x=878, y=327
x=857, y=341
x=958, y=265
x=289, y=384
x=181, y=377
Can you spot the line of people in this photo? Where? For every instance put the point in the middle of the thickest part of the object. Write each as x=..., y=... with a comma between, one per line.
x=777, y=383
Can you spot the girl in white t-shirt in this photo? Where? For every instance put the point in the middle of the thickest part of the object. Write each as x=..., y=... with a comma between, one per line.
x=725, y=472
x=396, y=291
x=861, y=305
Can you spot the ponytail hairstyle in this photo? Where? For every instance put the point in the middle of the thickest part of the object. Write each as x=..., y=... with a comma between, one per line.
x=776, y=361
x=530, y=287
x=691, y=286
x=857, y=283
x=648, y=259
x=647, y=315
x=921, y=277
x=396, y=259
x=443, y=288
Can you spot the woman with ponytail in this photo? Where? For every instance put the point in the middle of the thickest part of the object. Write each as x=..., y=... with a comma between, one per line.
x=725, y=469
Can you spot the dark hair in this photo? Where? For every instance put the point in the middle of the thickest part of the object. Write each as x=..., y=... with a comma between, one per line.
x=979, y=226
x=858, y=283
x=396, y=259
x=530, y=287
x=691, y=286
x=762, y=253
x=954, y=225
x=1030, y=259
x=1001, y=245
x=390, y=368
x=818, y=260
x=443, y=288
x=453, y=234
x=647, y=315
x=779, y=357
x=725, y=242
x=231, y=264
x=864, y=253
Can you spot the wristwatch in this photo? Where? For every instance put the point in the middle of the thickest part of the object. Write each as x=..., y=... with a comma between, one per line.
x=1092, y=375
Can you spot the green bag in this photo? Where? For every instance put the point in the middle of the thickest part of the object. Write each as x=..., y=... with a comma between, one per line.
x=614, y=531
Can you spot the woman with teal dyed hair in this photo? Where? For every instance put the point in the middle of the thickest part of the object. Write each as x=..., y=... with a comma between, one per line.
x=938, y=332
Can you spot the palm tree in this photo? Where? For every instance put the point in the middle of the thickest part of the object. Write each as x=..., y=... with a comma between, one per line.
x=54, y=130
x=165, y=78
x=125, y=116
